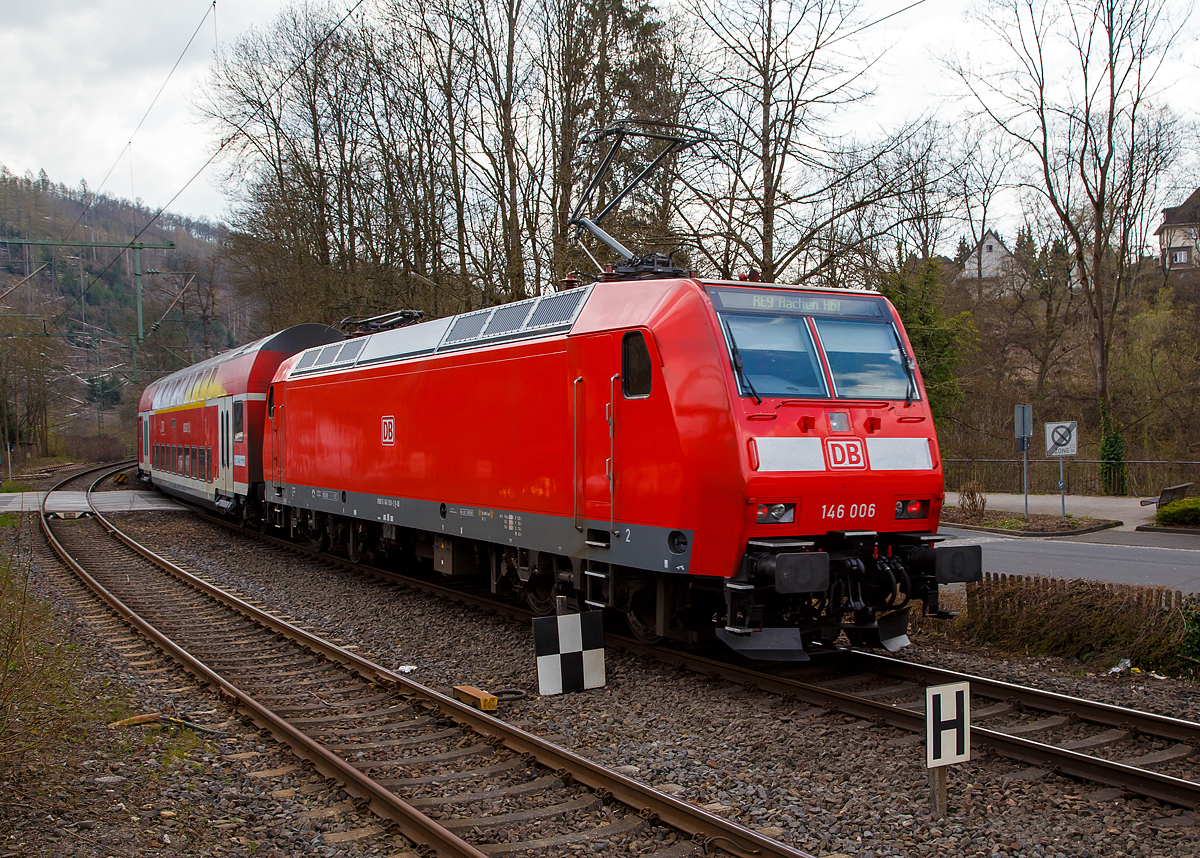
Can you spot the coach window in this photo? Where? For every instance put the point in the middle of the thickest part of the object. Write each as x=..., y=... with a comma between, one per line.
x=195, y=465
x=237, y=422
x=208, y=470
x=636, y=374
x=271, y=402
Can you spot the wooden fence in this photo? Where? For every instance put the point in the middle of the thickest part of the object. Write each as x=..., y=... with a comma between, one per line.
x=1014, y=592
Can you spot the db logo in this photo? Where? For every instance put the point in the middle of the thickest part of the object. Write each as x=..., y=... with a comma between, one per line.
x=388, y=431
x=845, y=453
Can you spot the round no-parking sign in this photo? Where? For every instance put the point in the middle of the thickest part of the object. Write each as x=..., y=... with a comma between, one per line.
x=1061, y=439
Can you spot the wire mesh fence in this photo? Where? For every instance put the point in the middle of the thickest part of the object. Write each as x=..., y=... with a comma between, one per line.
x=1081, y=476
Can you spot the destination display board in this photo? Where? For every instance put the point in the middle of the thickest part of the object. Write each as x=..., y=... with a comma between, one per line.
x=778, y=302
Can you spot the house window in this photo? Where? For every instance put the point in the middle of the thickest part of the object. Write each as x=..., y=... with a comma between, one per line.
x=1179, y=257
x=989, y=248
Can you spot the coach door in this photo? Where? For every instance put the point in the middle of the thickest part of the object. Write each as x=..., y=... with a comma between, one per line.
x=593, y=403
x=275, y=417
x=224, y=479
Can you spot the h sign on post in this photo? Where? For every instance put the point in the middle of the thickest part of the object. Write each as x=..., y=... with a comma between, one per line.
x=947, y=724
x=947, y=737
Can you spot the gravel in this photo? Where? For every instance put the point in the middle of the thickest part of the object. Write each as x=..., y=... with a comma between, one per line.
x=820, y=781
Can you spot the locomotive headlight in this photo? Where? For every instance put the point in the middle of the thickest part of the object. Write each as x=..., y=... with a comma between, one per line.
x=912, y=509
x=776, y=513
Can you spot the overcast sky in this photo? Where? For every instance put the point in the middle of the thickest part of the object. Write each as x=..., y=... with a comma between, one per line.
x=79, y=76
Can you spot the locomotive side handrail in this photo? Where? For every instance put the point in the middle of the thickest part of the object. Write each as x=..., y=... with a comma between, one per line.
x=575, y=455
x=612, y=452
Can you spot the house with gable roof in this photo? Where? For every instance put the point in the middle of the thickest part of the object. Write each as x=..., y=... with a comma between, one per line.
x=990, y=260
x=1179, y=237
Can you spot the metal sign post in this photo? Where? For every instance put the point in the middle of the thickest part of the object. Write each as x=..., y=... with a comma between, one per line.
x=947, y=736
x=1023, y=429
x=1062, y=440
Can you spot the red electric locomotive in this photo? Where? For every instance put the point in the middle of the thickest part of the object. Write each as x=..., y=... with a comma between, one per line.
x=741, y=458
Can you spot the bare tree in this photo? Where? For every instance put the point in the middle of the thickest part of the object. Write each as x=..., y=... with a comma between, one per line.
x=1073, y=89
x=773, y=80
x=982, y=168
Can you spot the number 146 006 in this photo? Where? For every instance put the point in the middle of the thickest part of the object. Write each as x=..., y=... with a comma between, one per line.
x=852, y=510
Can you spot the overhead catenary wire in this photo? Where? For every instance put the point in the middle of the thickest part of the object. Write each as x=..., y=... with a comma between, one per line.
x=228, y=140
x=212, y=9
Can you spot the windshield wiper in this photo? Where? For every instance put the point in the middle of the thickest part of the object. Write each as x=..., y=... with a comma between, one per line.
x=908, y=369
x=737, y=365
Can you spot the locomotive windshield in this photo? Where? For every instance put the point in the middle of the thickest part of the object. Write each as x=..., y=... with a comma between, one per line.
x=775, y=340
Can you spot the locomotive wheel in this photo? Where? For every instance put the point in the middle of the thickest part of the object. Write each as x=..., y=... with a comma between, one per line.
x=318, y=539
x=641, y=617
x=540, y=593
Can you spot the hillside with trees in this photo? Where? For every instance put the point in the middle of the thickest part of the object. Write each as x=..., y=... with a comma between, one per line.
x=72, y=366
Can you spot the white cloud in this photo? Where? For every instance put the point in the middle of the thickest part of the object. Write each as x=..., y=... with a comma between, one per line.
x=79, y=77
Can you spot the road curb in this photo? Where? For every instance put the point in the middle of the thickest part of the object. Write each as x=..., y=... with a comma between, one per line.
x=1095, y=528
x=1154, y=528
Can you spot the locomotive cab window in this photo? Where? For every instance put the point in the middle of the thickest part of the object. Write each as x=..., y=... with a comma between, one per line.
x=636, y=370
x=773, y=356
x=866, y=360
x=237, y=422
x=271, y=402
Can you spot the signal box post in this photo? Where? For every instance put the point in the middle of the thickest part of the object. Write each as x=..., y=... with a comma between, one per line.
x=947, y=736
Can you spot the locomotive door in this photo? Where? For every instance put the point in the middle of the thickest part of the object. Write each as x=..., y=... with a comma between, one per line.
x=593, y=406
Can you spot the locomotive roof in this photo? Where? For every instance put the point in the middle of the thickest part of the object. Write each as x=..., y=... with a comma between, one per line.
x=520, y=320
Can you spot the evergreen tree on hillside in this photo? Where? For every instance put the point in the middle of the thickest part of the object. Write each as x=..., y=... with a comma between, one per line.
x=940, y=343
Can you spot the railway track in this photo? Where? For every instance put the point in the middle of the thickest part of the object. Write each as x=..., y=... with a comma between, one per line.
x=1142, y=753
x=450, y=778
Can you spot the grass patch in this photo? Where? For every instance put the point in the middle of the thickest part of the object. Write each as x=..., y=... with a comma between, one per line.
x=15, y=486
x=1089, y=621
x=37, y=667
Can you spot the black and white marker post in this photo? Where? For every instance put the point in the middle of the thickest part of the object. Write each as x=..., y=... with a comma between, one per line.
x=947, y=736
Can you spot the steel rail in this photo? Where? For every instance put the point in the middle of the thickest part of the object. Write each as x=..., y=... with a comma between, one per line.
x=1165, y=788
x=410, y=822
x=1163, y=726
x=703, y=826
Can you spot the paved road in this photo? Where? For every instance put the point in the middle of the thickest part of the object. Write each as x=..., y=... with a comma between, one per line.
x=1120, y=555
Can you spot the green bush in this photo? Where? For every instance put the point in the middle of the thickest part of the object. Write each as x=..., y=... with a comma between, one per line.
x=1179, y=513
